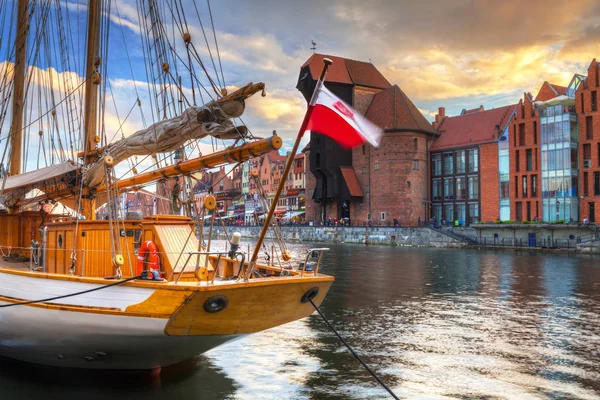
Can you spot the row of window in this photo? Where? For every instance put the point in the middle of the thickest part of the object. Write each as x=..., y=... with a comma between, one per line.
x=461, y=212
x=596, y=184
x=530, y=160
x=460, y=188
x=524, y=187
x=415, y=166
x=455, y=162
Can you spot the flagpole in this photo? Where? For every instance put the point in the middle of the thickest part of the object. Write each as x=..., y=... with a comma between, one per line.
x=288, y=165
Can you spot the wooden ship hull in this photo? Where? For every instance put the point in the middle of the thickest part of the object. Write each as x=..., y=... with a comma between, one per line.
x=140, y=324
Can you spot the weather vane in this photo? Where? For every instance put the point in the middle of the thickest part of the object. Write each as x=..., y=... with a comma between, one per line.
x=314, y=44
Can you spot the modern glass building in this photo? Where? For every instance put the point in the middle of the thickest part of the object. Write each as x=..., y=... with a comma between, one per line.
x=560, y=174
x=504, y=176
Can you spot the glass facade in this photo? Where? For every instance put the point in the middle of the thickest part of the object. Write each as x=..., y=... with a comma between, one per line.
x=560, y=182
x=455, y=186
x=504, y=178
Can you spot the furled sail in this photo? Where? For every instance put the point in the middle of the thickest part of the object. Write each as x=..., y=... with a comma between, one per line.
x=213, y=119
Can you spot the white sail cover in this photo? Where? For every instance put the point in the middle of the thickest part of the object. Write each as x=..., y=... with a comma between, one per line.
x=170, y=134
x=45, y=179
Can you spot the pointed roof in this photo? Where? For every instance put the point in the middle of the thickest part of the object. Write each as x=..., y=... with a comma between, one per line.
x=392, y=110
x=346, y=71
x=549, y=91
x=472, y=129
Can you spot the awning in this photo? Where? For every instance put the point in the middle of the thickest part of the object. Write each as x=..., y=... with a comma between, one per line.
x=351, y=181
x=37, y=177
x=292, y=214
x=48, y=179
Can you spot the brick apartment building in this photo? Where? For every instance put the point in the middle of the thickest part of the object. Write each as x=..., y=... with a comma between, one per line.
x=465, y=164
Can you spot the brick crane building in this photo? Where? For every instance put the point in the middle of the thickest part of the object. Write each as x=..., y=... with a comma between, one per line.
x=365, y=184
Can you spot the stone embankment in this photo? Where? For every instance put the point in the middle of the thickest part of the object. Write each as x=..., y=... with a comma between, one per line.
x=400, y=236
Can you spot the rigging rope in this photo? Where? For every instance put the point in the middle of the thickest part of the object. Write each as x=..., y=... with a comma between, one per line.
x=364, y=364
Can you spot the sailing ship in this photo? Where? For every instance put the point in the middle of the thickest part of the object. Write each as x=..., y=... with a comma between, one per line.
x=118, y=293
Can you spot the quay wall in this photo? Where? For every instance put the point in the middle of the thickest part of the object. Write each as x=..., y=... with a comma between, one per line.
x=394, y=236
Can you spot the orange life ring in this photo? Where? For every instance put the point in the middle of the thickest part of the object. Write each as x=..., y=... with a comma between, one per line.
x=148, y=250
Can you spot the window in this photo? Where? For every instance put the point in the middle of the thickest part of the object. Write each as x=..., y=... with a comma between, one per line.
x=533, y=185
x=585, y=184
x=535, y=132
x=587, y=152
x=363, y=170
x=461, y=188
x=522, y=134
x=363, y=150
x=473, y=212
x=448, y=164
x=515, y=135
x=594, y=101
x=529, y=159
x=448, y=212
x=367, y=187
x=415, y=144
x=408, y=184
x=436, y=189
x=376, y=166
x=383, y=216
x=517, y=161
x=524, y=186
x=436, y=165
x=516, y=188
x=415, y=165
x=460, y=162
x=596, y=183
x=448, y=188
x=582, y=103
x=473, y=187
x=473, y=159
x=505, y=190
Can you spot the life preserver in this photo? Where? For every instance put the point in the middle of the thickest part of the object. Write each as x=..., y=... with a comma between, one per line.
x=148, y=257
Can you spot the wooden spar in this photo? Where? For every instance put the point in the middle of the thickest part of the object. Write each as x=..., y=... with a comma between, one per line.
x=16, y=128
x=237, y=154
x=288, y=165
x=88, y=206
x=227, y=156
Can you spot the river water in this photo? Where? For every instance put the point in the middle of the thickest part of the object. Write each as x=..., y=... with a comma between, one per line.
x=434, y=323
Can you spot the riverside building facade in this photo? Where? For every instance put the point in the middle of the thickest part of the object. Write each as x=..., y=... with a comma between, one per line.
x=537, y=160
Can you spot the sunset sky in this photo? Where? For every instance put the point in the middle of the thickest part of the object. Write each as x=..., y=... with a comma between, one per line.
x=457, y=54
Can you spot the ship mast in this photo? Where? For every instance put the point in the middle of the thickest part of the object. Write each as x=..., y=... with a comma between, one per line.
x=88, y=205
x=16, y=128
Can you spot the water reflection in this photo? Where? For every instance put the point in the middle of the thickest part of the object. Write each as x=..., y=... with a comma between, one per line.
x=435, y=323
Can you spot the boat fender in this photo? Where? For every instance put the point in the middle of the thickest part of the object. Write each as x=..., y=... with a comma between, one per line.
x=309, y=295
x=149, y=250
x=215, y=304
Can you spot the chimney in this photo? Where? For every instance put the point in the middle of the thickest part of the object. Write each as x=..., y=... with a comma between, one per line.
x=496, y=131
x=439, y=116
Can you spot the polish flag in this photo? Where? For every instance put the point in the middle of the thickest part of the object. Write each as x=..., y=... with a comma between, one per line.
x=332, y=117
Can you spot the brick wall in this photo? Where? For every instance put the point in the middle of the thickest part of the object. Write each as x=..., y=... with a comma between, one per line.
x=589, y=200
x=389, y=182
x=489, y=182
x=524, y=135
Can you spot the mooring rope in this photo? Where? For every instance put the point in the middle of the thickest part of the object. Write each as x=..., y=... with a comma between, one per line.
x=377, y=378
x=72, y=294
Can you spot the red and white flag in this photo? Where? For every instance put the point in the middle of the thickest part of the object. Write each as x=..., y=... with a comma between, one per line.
x=332, y=117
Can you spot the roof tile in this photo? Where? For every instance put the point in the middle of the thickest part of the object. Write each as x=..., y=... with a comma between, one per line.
x=346, y=71
x=471, y=129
